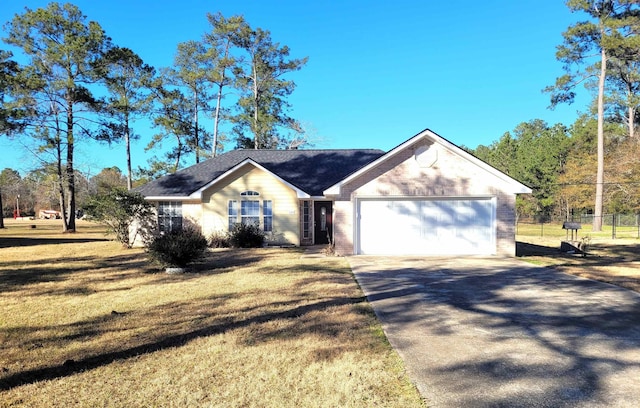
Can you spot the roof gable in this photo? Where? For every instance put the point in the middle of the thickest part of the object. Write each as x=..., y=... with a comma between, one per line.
x=198, y=193
x=513, y=185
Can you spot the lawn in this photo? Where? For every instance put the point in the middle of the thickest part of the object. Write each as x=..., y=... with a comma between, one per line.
x=615, y=261
x=554, y=230
x=87, y=323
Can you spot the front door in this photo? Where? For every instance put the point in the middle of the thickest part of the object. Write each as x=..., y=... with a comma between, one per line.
x=322, y=222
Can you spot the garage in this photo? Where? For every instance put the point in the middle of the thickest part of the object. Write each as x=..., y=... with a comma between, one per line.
x=406, y=226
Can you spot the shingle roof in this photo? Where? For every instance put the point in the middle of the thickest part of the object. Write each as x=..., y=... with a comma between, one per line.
x=312, y=171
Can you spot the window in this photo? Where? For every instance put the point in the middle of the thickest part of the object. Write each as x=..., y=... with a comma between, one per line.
x=323, y=218
x=247, y=211
x=232, y=213
x=169, y=216
x=267, y=215
x=250, y=212
x=305, y=219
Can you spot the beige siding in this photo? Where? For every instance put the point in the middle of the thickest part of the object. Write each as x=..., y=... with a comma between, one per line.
x=450, y=175
x=192, y=214
x=142, y=230
x=284, y=200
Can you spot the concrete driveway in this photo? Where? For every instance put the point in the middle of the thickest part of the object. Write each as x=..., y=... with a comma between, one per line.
x=497, y=332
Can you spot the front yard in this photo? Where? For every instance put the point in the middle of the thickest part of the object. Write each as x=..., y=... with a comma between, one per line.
x=87, y=323
x=608, y=260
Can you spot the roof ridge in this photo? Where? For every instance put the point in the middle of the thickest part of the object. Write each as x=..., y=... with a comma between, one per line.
x=303, y=150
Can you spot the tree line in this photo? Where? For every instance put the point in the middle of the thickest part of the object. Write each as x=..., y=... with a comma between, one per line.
x=558, y=163
x=76, y=83
x=38, y=189
x=237, y=76
x=565, y=165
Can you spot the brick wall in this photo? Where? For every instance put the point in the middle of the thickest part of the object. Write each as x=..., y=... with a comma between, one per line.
x=444, y=174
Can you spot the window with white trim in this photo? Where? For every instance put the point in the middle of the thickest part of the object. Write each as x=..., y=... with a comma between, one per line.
x=267, y=216
x=306, y=219
x=169, y=216
x=249, y=210
x=232, y=213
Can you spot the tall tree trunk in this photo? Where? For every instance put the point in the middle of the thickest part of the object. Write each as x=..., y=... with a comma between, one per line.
x=256, y=132
x=597, y=213
x=216, y=119
x=61, y=194
x=631, y=110
x=195, y=120
x=1, y=211
x=632, y=124
x=71, y=182
x=178, y=154
x=127, y=140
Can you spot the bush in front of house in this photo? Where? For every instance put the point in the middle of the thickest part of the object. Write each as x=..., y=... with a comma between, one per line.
x=219, y=240
x=178, y=248
x=246, y=236
x=127, y=214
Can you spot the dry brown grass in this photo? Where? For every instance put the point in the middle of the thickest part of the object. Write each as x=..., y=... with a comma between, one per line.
x=612, y=261
x=87, y=323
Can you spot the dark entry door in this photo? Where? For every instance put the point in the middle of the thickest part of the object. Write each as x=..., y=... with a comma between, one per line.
x=322, y=221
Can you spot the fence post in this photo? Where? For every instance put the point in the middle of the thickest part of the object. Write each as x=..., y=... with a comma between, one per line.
x=613, y=226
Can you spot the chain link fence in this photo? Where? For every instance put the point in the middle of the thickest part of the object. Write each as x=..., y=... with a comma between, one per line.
x=615, y=226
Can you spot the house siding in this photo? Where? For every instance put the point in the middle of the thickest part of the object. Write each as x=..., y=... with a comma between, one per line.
x=402, y=176
x=343, y=227
x=284, y=200
x=191, y=214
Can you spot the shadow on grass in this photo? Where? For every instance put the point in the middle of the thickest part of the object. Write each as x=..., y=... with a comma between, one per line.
x=527, y=249
x=599, y=254
x=9, y=242
x=71, y=367
x=220, y=261
x=16, y=274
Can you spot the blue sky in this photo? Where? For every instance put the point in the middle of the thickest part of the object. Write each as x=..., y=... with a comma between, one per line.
x=378, y=72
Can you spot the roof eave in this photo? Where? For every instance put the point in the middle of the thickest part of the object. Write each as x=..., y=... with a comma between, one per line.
x=169, y=198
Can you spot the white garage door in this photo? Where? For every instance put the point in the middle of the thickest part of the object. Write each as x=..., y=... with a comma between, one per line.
x=430, y=227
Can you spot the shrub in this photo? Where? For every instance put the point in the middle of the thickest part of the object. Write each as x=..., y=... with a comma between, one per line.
x=219, y=240
x=246, y=236
x=178, y=248
x=120, y=210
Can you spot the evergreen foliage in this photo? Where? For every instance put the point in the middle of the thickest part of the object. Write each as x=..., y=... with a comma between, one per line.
x=178, y=248
x=610, y=35
x=246, y=236
x=128, y=215
x=54, y=88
